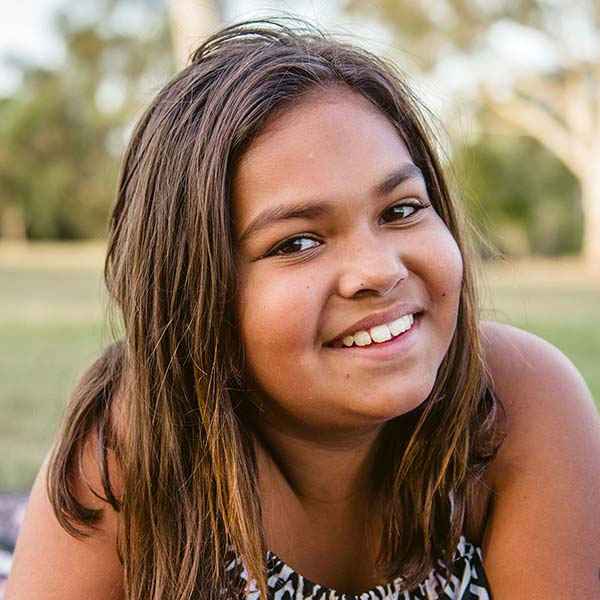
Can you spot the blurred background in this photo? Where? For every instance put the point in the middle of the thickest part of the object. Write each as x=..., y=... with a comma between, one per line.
x=514, y=85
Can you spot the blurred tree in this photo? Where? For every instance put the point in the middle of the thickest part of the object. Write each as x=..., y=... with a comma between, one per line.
x=502, y=181
x=555, y=101
x=62, y=133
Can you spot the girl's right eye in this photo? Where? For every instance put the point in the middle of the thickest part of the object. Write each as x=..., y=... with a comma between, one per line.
x=294, y=245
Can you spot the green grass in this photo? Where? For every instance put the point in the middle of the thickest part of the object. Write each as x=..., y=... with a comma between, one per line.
x=567, y=317
x=51, y=328
x=39, y=365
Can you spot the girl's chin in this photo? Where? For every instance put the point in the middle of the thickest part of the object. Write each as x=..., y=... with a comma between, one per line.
x=353, y=408
x=389, y=404
x=380, y=411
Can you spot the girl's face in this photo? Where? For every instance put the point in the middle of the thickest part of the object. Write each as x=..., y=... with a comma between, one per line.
x=337, y=238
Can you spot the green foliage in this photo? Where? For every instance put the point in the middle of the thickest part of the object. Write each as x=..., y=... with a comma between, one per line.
x=520, y=196
x=432, y=29
x=55, y=165
x=61, y=134
x=526, y=200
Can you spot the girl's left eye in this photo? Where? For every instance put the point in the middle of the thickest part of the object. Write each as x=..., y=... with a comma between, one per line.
x=401, y=211
x=295, y=245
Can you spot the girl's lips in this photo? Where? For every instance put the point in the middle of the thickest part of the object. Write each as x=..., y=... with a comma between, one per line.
x=381, y=318
x=383, y=350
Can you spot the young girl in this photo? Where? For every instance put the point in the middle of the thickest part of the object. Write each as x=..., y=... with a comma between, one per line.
x=304, y=403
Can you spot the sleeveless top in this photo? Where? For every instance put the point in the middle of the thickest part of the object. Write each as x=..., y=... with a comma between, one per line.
x=466, y=581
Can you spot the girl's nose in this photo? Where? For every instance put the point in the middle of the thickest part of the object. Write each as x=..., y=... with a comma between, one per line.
x=371, y=265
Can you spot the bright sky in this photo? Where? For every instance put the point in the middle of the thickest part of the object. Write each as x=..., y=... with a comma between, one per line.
x=26, y=31
x=26, y=28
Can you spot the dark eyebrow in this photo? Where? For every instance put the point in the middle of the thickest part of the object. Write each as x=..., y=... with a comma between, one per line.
x=407, y=172
x=280, y=213
x=314, y=210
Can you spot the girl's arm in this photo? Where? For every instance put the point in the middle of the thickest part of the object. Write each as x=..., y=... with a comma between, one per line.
x=542, y=538
x=50, y=564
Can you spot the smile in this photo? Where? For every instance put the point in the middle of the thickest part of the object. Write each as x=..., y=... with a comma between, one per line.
x=377, y=334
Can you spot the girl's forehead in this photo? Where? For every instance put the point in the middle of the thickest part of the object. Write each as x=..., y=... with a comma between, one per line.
x=334, y=116
x=328, y=147
x=320, y=102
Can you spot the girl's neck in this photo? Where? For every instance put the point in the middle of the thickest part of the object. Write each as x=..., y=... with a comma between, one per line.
x=319, y=472
x=317, y=501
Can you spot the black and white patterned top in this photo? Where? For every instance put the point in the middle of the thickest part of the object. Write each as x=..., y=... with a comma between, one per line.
x=467, y=581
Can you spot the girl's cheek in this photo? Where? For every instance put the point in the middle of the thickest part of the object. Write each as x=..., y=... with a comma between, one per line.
x=274, y=304
x=454, y=264
x=446, y=255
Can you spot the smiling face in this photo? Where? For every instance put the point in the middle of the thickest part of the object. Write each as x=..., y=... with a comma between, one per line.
x=340, y=252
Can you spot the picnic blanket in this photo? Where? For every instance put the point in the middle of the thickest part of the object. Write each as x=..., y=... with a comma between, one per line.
x=12, y=511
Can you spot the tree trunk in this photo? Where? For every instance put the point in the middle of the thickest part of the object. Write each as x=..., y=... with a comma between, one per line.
x=578, y=152
x=590, y=200
x=190, y=22
x=12, y=223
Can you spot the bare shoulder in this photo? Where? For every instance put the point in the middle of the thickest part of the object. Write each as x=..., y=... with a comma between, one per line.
x=51, y=564
x=542, y=537
x=542, y=391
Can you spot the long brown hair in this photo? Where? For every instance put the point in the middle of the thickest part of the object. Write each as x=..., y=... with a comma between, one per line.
x=185, y=455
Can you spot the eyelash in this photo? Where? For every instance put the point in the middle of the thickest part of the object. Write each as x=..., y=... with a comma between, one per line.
x=413, y=203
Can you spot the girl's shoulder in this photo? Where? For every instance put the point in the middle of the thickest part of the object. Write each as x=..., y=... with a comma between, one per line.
x=50, y=562
x=534, y=380
x=541, y=390
x=546, y=479
x=516, y=359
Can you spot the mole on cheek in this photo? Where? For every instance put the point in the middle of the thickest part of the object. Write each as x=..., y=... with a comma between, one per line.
x=347, y=375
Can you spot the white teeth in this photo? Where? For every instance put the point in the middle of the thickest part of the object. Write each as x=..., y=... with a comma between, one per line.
x=348, y=340
x=401, y=325
x=380, y=333
x=362, y=338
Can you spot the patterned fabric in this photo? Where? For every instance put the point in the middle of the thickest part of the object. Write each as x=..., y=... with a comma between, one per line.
x=467, y=581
